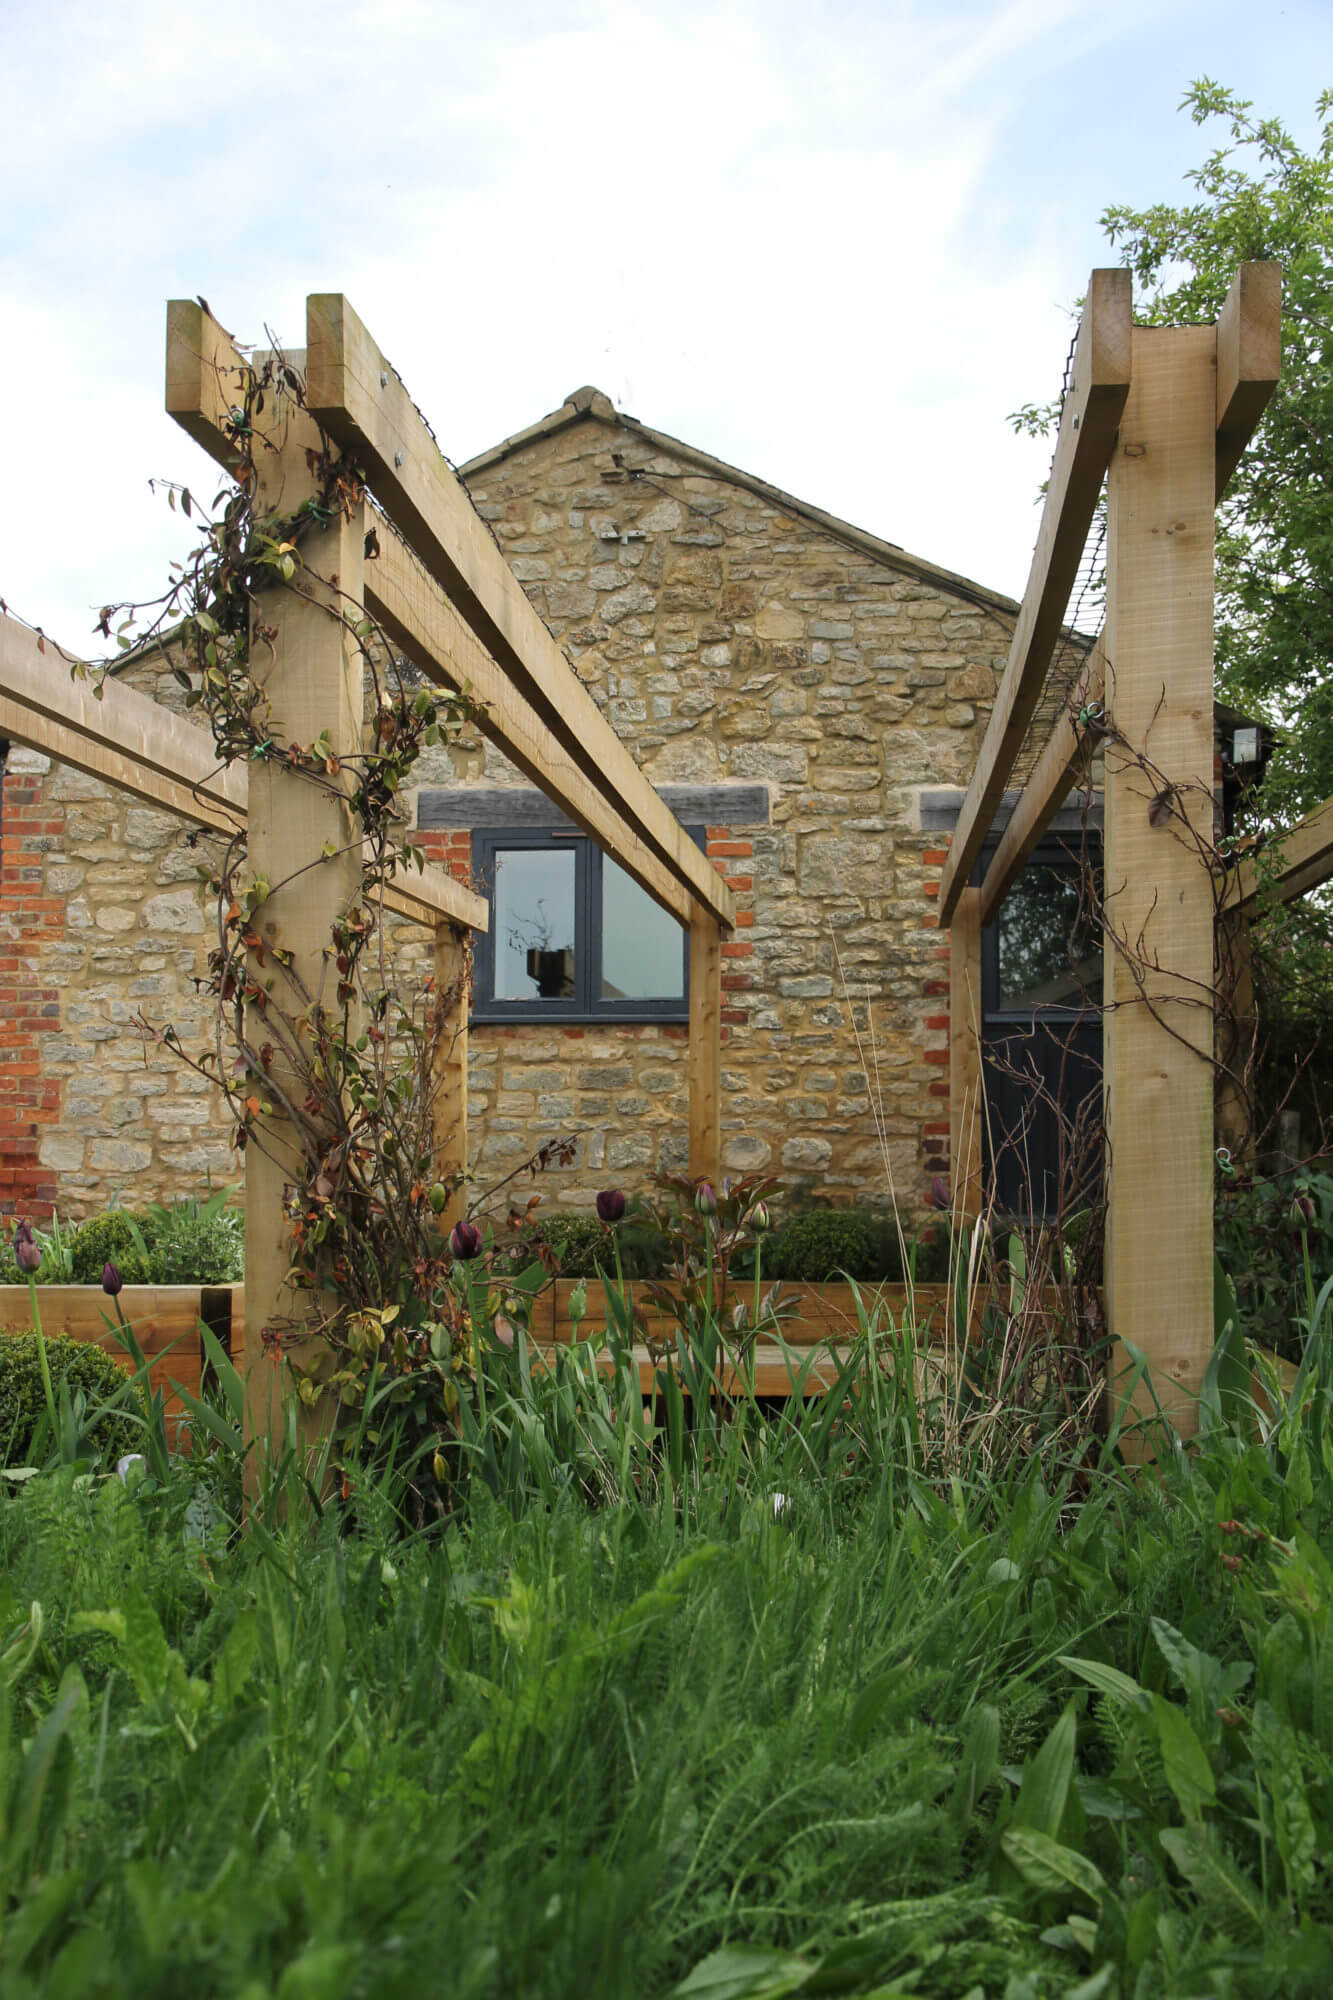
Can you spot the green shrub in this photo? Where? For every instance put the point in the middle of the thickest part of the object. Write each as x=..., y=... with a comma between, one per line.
x=197, y=1243
x=581, y=1244
x=113, y=1238
x=818, y=1244
x=84, y=1367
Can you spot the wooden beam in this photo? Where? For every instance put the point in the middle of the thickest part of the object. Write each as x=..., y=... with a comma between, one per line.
x=1088, y=425
x=121, y=736
x=966, y=1106
x=1249, y=361
x=356, y=396
x=1063, y=763
x=453, y=988
x=134, y=744
x=705, y=1060
x=1158, y=993
x=206, y=380
x=419, y=619
x=1292, y=862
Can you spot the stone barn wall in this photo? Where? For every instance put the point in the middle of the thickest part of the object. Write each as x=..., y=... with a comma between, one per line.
x=734, y=637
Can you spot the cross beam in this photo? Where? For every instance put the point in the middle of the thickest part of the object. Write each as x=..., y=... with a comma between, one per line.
x=1295, y=861
x=136, y=745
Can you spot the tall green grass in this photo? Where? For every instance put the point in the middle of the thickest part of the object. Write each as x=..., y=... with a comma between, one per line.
x=735, y=1707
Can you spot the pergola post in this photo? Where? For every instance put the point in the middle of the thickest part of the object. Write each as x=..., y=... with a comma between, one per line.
x=705, y=1046
x=301, y=839
x=1158, y=1020
x=966, y=1108
x=449, y=1103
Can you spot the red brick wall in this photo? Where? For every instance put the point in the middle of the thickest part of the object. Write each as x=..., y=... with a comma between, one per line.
x=29, y=1102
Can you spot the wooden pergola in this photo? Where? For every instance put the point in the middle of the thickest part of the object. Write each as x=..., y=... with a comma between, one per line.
x=1162, y=415
x=444, y=595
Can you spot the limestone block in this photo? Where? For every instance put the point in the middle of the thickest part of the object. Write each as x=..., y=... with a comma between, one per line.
x=634, y=598
x=62, y=1152
x=807, y=1154
x=179, y=910
x=745, y=1153
x=782, y=764
x=121, y=1155
x=776, y=620
x=115, y=918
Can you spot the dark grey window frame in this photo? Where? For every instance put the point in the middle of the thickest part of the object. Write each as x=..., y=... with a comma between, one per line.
x=581, y=1009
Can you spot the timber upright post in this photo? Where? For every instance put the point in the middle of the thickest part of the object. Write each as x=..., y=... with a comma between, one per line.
x=301, y=840
x=705, y=1047
x=1158, y=976
x=966, y=1105
x=452, y=996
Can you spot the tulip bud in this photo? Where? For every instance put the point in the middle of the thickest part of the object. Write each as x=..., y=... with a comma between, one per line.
x=26, y=1253
x=111, y=1279
x=758, y=1217
x=438, y=1198
x=610, y=1205
x=939, y=1192
x=705, y=1200
x=1303, y=1212
x=503, y=1328
x=465, y=1241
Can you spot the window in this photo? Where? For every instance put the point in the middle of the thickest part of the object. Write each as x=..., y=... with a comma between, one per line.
x=572, y=935
x=1048, y=940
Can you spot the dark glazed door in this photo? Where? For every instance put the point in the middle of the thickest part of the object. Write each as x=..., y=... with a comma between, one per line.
x=1041, y=1040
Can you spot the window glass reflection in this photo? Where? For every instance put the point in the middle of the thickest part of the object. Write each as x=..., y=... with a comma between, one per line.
x=643, y=949
x=534, y=924
x=1050, y=945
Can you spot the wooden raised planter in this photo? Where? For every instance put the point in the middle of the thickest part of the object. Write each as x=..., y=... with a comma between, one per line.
x=165, y=1319
x=818, y=1318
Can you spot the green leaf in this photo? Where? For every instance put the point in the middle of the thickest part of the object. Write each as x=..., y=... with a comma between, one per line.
x=979, y=1764
x=745, y=1972
x=1044, y=1792
x=1212, y=1875
x=1049, y=1866
x=1184, y=1759
x=1107, y=1680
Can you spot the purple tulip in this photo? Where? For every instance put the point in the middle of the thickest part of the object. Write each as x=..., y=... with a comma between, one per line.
x=939, y=1192
x=111, y=1279
x=610, y=1205
x=465, y=1241
x=705, y=1200
x=758, y=1217
x=1303, y=1212
x=26, y=1253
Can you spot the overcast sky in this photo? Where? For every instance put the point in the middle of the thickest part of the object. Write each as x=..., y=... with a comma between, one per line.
x=833, y=244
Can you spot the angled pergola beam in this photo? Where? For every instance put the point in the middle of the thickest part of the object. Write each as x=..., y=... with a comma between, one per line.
x=132, y=743
x=1303, y=859
x=1088, y=426
x=1063, y=764
x=1249, y=360
x=419, y=619
x=205, y=382
x=356, y=396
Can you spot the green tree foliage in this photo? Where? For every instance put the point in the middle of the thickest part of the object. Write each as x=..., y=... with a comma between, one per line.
x=1260, y=196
